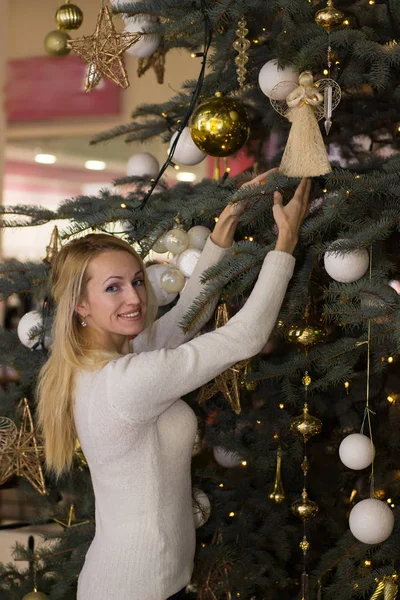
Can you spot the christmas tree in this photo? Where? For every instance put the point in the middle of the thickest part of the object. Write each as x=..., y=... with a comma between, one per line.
x=267, y=452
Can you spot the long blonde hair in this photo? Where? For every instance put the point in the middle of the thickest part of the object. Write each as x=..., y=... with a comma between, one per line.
x=71, y=347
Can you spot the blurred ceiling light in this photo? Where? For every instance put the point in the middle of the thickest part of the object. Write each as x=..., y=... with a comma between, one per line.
x=45, y=159
x=185, y=176
x=95, y=165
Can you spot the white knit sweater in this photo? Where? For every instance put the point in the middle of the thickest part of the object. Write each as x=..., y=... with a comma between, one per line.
x=137, y=437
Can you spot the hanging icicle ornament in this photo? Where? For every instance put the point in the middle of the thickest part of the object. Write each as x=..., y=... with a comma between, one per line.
x=329, y=18
x=305, y=153
x=278, y=493
x=241, y=45
x=387, y=588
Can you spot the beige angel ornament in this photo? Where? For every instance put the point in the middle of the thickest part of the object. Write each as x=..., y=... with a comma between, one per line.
x=305, y=153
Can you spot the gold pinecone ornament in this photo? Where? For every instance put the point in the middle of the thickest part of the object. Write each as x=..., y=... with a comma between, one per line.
x=69, y=17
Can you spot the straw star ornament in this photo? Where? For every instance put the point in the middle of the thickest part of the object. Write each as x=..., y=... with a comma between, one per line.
x=103, y=51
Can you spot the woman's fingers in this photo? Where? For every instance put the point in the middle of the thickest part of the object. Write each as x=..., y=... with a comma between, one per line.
x=278, y=198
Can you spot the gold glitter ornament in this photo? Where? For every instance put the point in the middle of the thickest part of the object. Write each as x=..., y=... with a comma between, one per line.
x=241, y=45
x=304, y=508
x=103, y=51
x=306, y=425
x=278, y=493
x=35, y=595
x=304, y=334
x=305, y=544
x=56, y=43
x=329, y=17
x=220, y=126
x=69, y=16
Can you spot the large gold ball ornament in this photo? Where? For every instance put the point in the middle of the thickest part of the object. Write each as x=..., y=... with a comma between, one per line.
x=55, y=43
x=306, y=425
x=304, y=508
x=329, y=17
x=220, y=126
x=69, y=16
x=35, y=596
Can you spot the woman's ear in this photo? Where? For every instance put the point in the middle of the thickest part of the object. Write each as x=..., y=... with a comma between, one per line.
x=82, y=309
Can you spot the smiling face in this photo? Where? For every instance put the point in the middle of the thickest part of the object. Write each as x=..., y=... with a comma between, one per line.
x=115, y=299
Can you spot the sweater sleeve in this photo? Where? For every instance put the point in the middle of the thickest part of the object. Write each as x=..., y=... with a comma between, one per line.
x=166, y=332
x=142, y=386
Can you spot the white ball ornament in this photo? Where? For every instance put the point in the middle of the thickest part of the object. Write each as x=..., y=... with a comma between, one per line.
x=188, y=260
x=201, y=507
x=173, y=281
x=356, y=451
x=198, y=236
x=271, y=75
x=29, y=321
x=186, y=151
x=346, y=267
x=154, y=273
x=142, y=164
x=371, y=521
x=147, y=44
x=226, y=459
x=395, y=284
x=176, y=241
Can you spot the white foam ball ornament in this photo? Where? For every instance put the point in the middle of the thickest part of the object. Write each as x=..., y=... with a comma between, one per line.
x=371, y=521
x=346, y=267
x=198, y=236
x=176, y=241
x=188, y=260
x=147, y=44
x=271, y=75
x=173, y=281
x=29, y=321
x=154, y=273
x=356, y=451
x=186, y=151
x=142, y=164
x=201, y=507
x=225, y=458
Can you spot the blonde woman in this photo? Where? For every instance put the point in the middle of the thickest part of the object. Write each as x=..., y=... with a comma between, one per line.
x=121, y=398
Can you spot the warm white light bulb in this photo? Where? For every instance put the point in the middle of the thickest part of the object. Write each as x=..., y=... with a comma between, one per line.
x=95, y=165
x=186, y=176
x=45, y=159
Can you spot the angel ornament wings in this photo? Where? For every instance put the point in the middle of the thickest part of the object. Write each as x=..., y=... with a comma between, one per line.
x=305, y=153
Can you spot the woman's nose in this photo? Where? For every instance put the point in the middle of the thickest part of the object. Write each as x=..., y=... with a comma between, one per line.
x=132, y=296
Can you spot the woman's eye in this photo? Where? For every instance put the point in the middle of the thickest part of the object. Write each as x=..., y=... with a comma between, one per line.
x=112, y=288
x=137, y=282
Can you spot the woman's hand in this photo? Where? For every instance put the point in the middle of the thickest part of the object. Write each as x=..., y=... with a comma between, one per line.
x=224, y=230
x=290, y=217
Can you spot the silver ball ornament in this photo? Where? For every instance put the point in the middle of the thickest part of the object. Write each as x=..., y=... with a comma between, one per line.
x=173, y=281
x=176, y=241
x=160, y=246
x=198, y=236
x=154, y=273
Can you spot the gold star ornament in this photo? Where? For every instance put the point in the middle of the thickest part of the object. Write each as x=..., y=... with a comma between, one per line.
x=23, y=455
x=103, y=51
x=230, y=381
